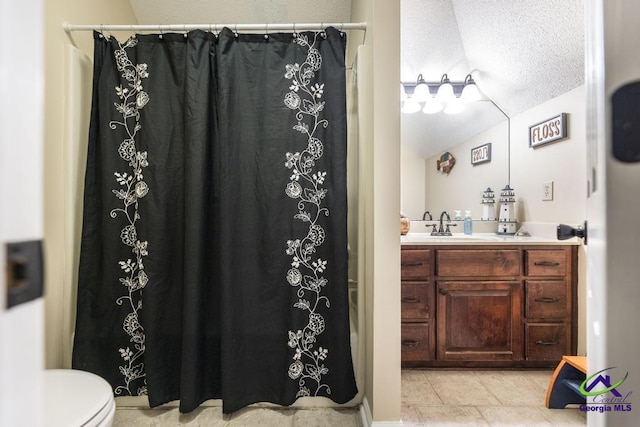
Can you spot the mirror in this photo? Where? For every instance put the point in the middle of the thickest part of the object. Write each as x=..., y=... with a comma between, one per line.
x=521, y=55
x=426, y=187
x=431, y=45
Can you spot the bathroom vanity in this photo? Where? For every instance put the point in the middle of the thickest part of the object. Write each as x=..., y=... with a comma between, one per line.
x=487, y=301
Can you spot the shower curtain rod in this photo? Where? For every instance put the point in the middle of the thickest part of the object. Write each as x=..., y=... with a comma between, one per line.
x=217, y=27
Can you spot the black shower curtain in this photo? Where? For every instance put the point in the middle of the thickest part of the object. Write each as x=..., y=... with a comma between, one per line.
x=214, y=252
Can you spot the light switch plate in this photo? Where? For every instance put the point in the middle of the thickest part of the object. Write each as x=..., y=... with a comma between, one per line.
x=547, y=191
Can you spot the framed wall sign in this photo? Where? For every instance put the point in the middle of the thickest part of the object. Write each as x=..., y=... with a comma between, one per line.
x=481, y=154
x=550, y=130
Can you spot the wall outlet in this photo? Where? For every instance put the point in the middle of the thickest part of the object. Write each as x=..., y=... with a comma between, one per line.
x=547, y=191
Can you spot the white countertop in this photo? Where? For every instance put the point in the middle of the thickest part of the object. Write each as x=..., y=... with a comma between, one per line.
x=460, y=239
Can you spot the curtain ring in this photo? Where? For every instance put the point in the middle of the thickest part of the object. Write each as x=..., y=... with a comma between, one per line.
x=342, y=29
x=161, y=33
x=322, y=32
x=266, y=31
x=101, y=31
x=235, y=31
x=295, y=33
x=184, y=28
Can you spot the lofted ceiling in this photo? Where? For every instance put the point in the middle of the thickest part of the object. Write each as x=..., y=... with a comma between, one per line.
x=520, y=52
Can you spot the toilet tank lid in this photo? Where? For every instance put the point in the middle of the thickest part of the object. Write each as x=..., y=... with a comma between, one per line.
x=74, y=397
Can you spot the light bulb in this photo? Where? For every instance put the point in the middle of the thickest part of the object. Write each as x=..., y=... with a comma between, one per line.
x=421, y=92
x=432, y=106
x=470, y=93
x=410, y=106
x=454, y=106
x=445, y=91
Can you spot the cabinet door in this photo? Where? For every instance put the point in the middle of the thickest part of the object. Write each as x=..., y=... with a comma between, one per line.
x=415, y=264
x=416, y=343
x=547, y=341
x=546, y=262
x=415, y=304
x=547, y=299
x=472, y=263
x=479, y=321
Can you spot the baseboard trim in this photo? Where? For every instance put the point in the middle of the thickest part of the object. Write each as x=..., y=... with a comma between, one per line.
x=367, y=418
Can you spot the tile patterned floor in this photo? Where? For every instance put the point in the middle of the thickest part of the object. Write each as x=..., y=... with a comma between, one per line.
x=248, y=417
x=481, y=398
x=429, y=398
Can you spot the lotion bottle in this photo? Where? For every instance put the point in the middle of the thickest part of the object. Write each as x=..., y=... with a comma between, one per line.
x=468, y=224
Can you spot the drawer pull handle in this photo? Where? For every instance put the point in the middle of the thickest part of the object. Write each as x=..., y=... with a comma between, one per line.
x=410, y=300
x=546, y=264
x=547, y=300
x=548, y=343
x=410, y=264
x=411, y=343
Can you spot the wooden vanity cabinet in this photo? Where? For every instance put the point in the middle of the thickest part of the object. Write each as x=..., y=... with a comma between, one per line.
x=417, y=334
x=493, y=306
x=550, y=301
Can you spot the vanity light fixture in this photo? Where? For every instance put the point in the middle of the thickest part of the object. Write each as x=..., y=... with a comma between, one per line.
x=421, y=91
x=470, y=92
x=433, y=97
x=445, y=90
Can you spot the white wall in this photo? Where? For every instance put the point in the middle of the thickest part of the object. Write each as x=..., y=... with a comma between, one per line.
x=412, y=184
x=462, y=188
x=563, y=162
x=21, y=146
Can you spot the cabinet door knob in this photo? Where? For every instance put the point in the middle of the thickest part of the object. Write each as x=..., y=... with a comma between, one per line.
x=546, y=264
x=547, y=300
x=443, y=292
x=549, y=343
x=410, y=300
x=411, y=343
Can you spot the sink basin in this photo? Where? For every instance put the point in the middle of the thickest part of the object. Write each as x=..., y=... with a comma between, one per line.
x=456, y=237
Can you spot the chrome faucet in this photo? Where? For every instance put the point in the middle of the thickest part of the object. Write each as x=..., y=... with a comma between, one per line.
x=424, y=216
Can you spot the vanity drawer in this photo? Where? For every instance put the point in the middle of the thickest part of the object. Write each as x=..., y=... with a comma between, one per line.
x=547, y=299
x=415, y=264
x=548, y=262
x=415, y=342
x=547, y=341
x=478, y=262
x=415, y=300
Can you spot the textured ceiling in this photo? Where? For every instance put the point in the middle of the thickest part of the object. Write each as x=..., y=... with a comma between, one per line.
x=240, y=11
x=520, y=52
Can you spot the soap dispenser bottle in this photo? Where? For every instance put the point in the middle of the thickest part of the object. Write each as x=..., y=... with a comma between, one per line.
x=468, y=225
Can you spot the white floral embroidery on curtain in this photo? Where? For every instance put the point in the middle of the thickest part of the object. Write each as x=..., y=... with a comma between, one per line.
x=305, y=185
x=132, y=188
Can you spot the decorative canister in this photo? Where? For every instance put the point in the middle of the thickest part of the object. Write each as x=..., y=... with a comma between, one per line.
x=405, y=224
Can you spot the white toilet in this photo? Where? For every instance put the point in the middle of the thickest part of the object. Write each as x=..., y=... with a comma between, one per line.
x=77, y=398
